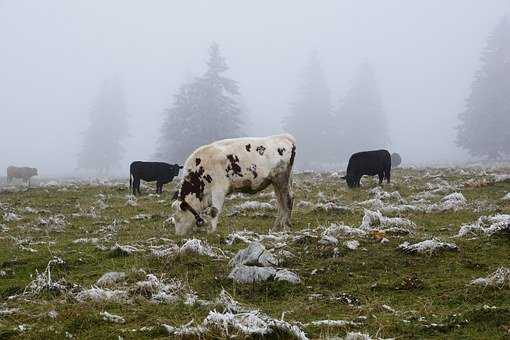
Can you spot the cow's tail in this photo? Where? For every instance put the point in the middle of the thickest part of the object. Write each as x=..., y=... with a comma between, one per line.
x=130, y=180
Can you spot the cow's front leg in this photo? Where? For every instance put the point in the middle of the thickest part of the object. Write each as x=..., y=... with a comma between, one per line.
x=218, y=198
x=136, y=186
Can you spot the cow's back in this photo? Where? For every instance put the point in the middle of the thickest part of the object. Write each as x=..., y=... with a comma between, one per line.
x=19, y=172
x=151, y=171
x=369, y=162
x=243, y=162
x=11, y=171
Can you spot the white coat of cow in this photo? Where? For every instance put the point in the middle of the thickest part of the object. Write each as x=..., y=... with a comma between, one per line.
x=246, y=165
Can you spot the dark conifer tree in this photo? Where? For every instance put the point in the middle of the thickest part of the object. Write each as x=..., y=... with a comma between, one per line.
x=310, y=116
x=360, y=119
x=485, y=123
x=102, y=148
x=204, y=110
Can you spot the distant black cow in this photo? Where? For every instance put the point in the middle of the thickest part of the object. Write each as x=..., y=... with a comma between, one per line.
x=369, y=163
x=25, y=173
x=160, y=172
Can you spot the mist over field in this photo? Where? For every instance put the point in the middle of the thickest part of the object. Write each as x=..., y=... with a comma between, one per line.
x=57, y=56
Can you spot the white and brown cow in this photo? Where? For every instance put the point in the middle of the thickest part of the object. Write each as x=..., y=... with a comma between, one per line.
x=246, y=165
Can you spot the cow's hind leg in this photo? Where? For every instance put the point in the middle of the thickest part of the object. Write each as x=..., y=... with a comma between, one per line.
x=284, y=199
x=136, y=185
x=159, y=187
x=381, y=177
x=388, y=175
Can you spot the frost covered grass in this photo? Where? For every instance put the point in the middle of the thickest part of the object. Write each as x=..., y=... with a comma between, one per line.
x=92, y=261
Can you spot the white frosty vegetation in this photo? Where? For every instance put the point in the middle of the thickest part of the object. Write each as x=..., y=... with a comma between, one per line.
x=427, y=247
x=186, y=330
x=43, y=282
x=454, y=201
x=500, y=278
x=112, y=317
x=235, y=319
x=255, y=264
x=96, y=294
x=124, y=250
x=488, y=225
x=357, y=336
x=374, y=220
x=253, y=205
x=352, y=244
x=333, y=323
x=11, y=217
x=339, y=230
x=199, y=247
x=53, y=223
x=254, y=255
x=250, y=274
x=110, y=278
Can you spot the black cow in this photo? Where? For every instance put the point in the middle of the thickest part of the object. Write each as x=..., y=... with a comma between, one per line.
x=369, y=163
x=160, y=172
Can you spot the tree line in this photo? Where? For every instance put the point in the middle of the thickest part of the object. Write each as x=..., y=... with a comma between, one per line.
x=210, y=107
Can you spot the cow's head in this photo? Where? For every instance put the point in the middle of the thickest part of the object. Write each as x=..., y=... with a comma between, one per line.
x=175, y=168
x=189, y=202
x=350, y=179
x=185, y=216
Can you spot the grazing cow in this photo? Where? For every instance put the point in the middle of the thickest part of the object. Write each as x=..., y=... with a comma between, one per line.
x=369, y=163
x=24, y=173
x=160, y=172
x=245, y=165
x=396, y=160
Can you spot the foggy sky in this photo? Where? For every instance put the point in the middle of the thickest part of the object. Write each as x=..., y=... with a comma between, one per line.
x=56, y=54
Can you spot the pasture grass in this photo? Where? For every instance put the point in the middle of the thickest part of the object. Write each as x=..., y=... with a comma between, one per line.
x=430, y=293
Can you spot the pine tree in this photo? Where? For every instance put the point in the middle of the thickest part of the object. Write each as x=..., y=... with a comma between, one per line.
x=204, y=110
x=108, y=128
x=485, y=124
x=310, y=116
x=360, y=120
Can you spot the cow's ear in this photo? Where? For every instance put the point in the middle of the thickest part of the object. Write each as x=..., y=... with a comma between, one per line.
x=175, y=195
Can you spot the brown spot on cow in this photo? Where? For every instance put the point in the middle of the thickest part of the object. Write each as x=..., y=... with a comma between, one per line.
x=261, y=149
x=208, y=178
x=281, y=151
x=197, y=161
x=248, y=147
x=233, y=169
x=193, y=184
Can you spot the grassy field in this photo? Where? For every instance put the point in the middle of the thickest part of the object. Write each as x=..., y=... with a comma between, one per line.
x=382, y=291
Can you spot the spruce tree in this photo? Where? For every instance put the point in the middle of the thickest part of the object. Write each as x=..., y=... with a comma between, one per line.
x=310, y=116
x=485, y=123
x=108, y=128
x=360, y=120
x=204, y=110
